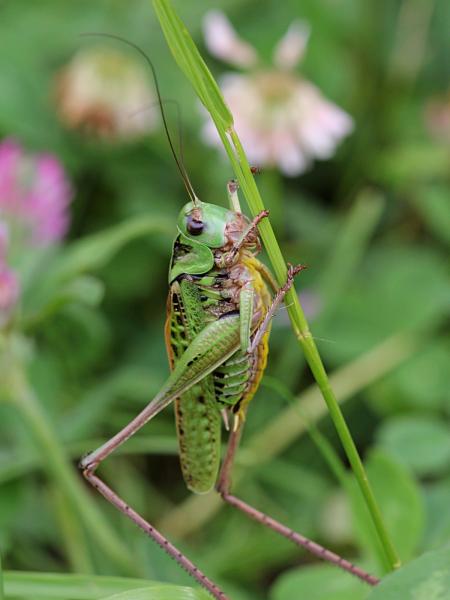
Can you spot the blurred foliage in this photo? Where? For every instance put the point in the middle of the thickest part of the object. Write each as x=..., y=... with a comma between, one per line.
x=373, y=224
x=425, y=577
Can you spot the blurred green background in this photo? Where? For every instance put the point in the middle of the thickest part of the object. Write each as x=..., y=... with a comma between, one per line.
x=372, y=224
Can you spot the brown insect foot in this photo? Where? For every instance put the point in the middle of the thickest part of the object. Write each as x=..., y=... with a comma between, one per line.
x=263, y=213
x=293, y=270
x=260, y=216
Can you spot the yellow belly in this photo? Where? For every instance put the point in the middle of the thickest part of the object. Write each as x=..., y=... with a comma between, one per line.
x=264, y=301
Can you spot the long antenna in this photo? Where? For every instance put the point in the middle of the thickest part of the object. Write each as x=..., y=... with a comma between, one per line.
x=179, y=163
x=166, y=101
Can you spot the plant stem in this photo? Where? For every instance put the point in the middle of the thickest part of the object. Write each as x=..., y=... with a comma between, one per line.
x=63, y=586
x=77, y=549
x=2, y=592
x=306, y=341
x=286, y=427
x=189, y=60
x=61, y=471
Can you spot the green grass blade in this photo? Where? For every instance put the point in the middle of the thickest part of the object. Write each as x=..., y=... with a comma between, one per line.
x=191, y=63
x=354, y=236
x=2, y=593
x=95, y=251
x=189, y=60
x=14, y=467
x=48, y=586
x=161, y=592
x=59, y=469
x=286, y=427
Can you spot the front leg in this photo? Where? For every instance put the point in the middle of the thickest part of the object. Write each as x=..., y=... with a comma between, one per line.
x=227, y=259
x=202, y=356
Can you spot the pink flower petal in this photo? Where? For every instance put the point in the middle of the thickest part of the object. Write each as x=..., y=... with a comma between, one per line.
x=282, y=120
x=11, y=155
x=338, y=122
x=290, y=49
x=224, y=43
x=320, y=123
x=9, y=292
x=291, y=159
x=34, y=195
x=4, y=238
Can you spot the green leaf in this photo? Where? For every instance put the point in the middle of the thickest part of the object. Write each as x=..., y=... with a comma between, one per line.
x=426, y=578
x=56, y=286
x=400, y=503
x=163, y=592
x=386, y=298
x=11, y=503
x=45, y=586
x=409, y=164
x=437, y=533
x=191, y=63
x=2, y=593
x=86, y=290
x=421, y=383
x=322, y=582
x=433, y=205
x=93, y=252
x=420, y=443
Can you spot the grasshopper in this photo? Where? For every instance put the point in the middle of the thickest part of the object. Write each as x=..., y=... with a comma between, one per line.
x=220, y=305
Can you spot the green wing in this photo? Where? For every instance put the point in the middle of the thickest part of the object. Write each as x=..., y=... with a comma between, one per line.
x=196, y=349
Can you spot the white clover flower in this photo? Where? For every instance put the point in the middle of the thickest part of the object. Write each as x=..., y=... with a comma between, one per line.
x=105, y=93
x=282, y=119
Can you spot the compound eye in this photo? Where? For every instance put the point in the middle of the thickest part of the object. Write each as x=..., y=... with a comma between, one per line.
x=194, y=225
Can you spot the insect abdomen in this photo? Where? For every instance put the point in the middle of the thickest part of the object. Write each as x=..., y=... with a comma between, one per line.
x=231, y=379
x=198, y=429
x=197, y=418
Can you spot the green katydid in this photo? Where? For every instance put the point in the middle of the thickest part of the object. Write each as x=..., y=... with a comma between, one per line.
x=217, y=329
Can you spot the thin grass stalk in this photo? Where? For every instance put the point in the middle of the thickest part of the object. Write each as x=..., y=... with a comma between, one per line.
x=58, y=468
x=286, y=427
x=63, y=586
x=328, y=453
x=76, y=547
x=187, y=56
x=310, y=350
x=2, y=589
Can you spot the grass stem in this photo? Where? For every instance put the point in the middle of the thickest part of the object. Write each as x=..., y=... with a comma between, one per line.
x=59, y=469
x=189, y=60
